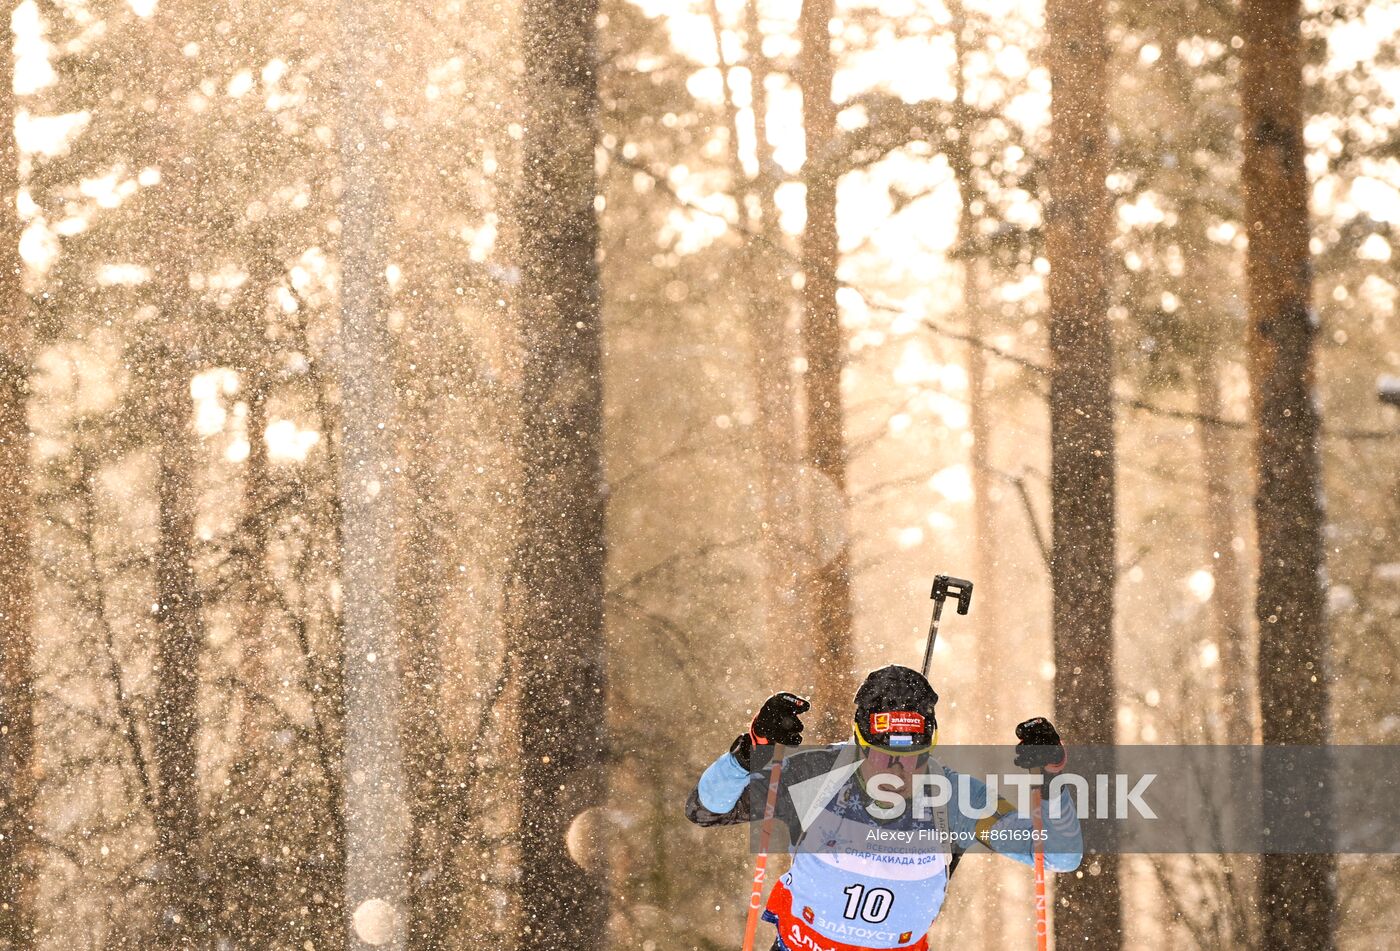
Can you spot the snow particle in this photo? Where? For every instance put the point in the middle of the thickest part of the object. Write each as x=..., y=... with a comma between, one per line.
x=375, y=921
x=1201, y=584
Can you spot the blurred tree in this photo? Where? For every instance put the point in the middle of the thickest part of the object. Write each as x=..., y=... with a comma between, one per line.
x=828, y=587
x=192, y=210
x=1182, y=154
x=687, y=596
x=1220, y=529
x=435, y=883
x=555, y=618
x=1082, y=473
x=973, y=248
x=175, y=722
x=765, y=260
x=17, y=765
x=1298, y=892
x=211, y=185
x=375, y=803
x=775, y=349
x=166, y=346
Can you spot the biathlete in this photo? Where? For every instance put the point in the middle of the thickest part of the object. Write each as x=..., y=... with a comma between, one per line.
x=841, y=895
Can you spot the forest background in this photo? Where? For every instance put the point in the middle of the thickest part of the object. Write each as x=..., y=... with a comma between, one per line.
x=429, y=430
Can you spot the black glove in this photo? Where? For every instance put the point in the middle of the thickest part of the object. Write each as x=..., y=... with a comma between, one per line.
x=776, y=722
x=1040, y=748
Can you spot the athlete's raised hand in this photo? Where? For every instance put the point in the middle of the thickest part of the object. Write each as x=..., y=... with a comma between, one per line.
x=777, y=721
x=1040, y=749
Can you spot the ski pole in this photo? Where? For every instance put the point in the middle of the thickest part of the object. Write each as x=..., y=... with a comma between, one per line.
x=1042, y=913
x=760, y=863
x=943, y=585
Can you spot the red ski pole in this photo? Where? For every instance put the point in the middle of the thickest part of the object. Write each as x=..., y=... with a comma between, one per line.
x=760, y=863
x=1042, y=912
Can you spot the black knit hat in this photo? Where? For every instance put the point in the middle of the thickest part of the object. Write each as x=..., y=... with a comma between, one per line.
x=894, y=710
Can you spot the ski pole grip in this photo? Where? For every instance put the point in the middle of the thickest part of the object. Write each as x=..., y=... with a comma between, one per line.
x=961, y=588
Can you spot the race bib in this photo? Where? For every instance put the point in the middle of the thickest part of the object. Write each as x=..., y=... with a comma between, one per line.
x=798, y=934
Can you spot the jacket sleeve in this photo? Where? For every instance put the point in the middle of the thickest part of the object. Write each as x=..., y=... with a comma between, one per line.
x=1008, y=833
x=729, y=794
x=721, y=797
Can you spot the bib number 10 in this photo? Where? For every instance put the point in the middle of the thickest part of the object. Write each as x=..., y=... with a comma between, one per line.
x=872, y=906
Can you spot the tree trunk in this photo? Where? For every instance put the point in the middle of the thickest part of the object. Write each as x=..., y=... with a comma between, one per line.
x=1083, y=568
x=1221, y=526
x=258, y=518
x=556, y=614
x=782, y=520
x=179, y=645
x=1198, y=280
x=767, y=180
x=1299, y=898
x=829, y=588
x=989, y=659
x=325, y=676
x=976, y=286
x=17, y=778
x=436, y=890
x=376, y=814
x=771, y=350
